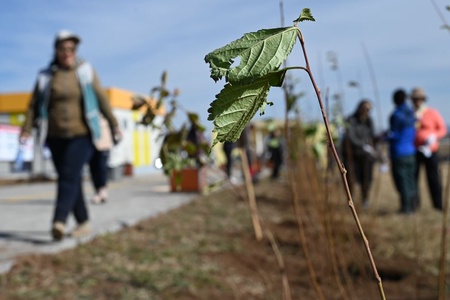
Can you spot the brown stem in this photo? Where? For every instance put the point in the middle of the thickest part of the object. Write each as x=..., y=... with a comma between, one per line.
x=251, y=195
x=374, y=84
x=443, y=257
x=343, y=172
x=441, y=16
x=274, y=245
x=280, y=261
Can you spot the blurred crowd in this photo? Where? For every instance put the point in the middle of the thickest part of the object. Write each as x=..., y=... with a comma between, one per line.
x=413, y=136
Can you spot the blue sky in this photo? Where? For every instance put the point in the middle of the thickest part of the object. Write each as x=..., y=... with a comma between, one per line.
x=131, y=42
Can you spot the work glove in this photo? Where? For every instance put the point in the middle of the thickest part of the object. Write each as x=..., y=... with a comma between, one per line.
x=369, y=149
x=425, y=150
x=430, y=140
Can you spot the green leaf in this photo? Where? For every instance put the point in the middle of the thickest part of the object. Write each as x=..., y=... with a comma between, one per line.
x=260, y=52
x=138, y=101
x=148, y=117
x=234, y=107
x=164, y=78
x=194, y=119
x=276, y=79
x=262, y=109
x=305, y=16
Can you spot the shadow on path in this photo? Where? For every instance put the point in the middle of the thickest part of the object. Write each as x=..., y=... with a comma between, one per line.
x=32, y=237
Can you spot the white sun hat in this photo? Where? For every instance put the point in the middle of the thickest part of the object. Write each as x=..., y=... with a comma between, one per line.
x=65, y=35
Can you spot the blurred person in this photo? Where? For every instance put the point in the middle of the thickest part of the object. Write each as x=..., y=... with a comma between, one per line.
x=243, y=142
x=198, y=143
x=430, y=127
x=65, y=106
x=98, y=165
x=358, y=149
x=401, y=136
x=275, y=149
x=228, y=150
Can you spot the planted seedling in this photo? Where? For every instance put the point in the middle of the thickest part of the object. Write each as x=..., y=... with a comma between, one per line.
x=260, y=55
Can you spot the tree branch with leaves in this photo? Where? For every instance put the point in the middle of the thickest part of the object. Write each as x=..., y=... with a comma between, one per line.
x=248, y=84
x=178, y=150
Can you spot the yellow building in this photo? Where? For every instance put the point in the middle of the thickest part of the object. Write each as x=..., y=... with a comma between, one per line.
x=138, y=148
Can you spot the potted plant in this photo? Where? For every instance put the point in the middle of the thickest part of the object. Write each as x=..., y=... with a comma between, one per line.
x=183, y=155
x=184, y=150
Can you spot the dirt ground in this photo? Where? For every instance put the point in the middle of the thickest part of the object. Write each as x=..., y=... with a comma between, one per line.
x=208, y=250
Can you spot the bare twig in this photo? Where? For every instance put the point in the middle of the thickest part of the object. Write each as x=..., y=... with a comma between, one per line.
x=251, y=195
x=441, y=16
x=281, y=265
x=374, y=84
x=343, y=171
x=443, y=256
x=259, y=227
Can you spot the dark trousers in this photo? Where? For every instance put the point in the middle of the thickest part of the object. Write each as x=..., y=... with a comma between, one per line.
x=403, y=172
x=228, y=149
x=433, y=176
x=361, y=173
x=69, y=156
x=276, y=157
x=98, y=167
x=229, y=162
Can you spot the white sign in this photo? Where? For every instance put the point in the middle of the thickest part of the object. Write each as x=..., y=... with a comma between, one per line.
x=9, y=144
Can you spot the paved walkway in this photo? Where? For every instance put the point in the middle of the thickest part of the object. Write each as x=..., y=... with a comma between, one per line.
x=26, y=211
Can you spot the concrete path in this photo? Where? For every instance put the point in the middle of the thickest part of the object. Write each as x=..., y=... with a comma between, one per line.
x=26, y=211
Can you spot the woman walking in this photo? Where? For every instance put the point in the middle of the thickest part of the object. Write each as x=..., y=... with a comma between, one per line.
x=66, y=106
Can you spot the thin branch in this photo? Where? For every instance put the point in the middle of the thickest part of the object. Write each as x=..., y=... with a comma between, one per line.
x=343, y=172
x=441, y=16
x=374, y=84
x=443, y=257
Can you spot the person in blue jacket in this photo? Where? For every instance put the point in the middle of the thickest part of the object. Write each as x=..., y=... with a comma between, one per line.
x=402, y=151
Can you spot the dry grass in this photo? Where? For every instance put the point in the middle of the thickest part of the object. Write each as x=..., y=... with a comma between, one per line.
x=207, y=250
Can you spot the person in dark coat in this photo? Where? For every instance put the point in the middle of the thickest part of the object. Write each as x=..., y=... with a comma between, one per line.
x=359, y=149
x=228, y=149
x=275, y=149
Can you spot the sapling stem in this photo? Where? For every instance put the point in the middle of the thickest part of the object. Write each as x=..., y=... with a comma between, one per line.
x=259, y=227
x=443, y=257
x=251, y=195
x=341, y=167
x=248, y=85
x=374, y=84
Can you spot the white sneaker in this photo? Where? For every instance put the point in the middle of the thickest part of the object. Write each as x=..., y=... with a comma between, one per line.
x=103, y=193
x=100, y=197
x=58, y=231
x=82, y=229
